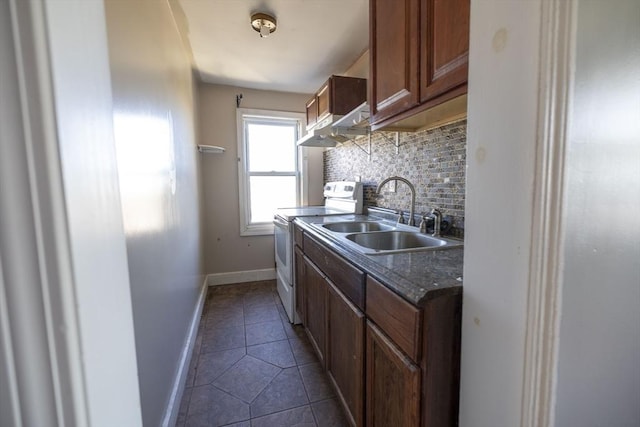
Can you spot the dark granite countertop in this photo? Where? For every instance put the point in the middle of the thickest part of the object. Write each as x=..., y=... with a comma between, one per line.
x=415, y=276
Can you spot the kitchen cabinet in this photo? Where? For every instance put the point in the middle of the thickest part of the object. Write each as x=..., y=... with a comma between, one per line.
x=312, y=112
x=345, y=353
x=399, y=319
x=349, y=279
x=391, y=362
x=393, y=383
x=419, y=60
x=444, y=47
x=332, y=284
x=337, y=96
x=315, y=294
x=300, y=285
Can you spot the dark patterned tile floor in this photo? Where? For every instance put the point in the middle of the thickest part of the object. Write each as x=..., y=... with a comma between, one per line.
x=251, y=367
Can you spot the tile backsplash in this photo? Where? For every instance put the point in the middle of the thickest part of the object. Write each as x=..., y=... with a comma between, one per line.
x=433, y=160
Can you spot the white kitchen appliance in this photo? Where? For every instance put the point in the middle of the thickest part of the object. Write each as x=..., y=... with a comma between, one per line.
x=342, y=197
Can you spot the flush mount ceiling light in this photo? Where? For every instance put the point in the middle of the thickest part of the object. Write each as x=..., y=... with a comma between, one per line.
x=263, y=23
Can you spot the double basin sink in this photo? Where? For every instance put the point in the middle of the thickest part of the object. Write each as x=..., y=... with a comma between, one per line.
x=379, y=237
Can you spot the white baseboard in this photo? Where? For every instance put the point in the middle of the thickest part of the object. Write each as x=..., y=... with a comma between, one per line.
x=173, y=407
x=241, y=276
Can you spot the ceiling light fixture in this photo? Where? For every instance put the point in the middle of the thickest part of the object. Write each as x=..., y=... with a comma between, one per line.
x=263, y=23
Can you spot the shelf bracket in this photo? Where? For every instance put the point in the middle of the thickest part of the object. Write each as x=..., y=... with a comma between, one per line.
x=395, y=143
x=367, y=150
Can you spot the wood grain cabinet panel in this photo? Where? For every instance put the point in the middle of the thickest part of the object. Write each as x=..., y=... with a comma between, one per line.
x=393, y=364
x=444, y=46
x=394, y=50
x=419, y=56
x=297, y=236
x=393, y=384
x=316, y=297
x=339, y=95
x=300, y=285
x=440, y=364
x=345, y=353
x=323, y=100
x=312, y=112
x=346, y=277
x=396, y=317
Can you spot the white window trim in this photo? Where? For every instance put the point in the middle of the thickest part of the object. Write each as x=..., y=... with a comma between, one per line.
x=264, y=228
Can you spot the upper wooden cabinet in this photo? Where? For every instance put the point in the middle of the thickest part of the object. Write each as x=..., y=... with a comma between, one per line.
x=337, y=96
x=444, y=47
x=419, y=57
x=394, y=49
x=312, y=112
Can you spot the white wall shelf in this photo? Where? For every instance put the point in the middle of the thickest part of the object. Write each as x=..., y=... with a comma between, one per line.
x=210, y=149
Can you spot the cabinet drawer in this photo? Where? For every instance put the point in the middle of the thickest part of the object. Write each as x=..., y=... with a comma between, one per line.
x=396, y=317
x=297, y=236
x=346, y=277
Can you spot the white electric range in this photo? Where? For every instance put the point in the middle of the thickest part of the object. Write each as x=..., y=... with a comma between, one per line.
x=341, y=197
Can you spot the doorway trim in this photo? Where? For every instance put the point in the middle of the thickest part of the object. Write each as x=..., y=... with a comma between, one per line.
x=557, y=49
x=69, y=305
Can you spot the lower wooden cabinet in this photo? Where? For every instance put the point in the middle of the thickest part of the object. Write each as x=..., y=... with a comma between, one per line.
x=300, y=285
x=392, y=384
x=392, y=363
x=315, y=293
x=345, y=353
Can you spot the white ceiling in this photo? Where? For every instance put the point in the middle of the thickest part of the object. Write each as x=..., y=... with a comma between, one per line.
x=314, y=39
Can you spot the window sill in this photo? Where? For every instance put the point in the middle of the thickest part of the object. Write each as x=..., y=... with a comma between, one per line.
x=257, y=230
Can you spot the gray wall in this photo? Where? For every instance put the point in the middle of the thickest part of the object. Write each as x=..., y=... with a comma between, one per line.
x=158, y=173
x=433, y=160
x=225, y=250
x=599, y=358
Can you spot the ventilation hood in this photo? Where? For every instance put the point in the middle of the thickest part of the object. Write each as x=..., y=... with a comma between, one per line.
x=337, y=129
x=321, y=137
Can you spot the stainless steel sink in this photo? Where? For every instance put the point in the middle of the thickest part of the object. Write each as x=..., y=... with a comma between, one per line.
x=381, y=237
x=394, y=240
x=356, y=226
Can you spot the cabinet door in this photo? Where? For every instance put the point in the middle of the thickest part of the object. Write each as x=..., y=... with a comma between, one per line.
x=323, y=98
x=393, y=383
x=394, y=49
x=316, y=291
x=300, y=285
x=444, y=46
x=312, y=112
x=345, y=352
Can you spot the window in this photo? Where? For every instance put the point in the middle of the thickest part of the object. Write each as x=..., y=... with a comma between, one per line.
x=268, y=167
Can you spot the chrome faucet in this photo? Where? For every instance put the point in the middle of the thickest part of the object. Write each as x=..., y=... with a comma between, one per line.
x=423, y=224
x=437, y=218
x=413, y=193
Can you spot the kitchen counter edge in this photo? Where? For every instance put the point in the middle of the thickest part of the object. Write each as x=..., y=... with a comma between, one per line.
x=415, y=276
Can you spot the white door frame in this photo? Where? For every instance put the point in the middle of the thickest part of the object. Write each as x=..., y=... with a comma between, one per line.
x=67, y=353
x=557, y=51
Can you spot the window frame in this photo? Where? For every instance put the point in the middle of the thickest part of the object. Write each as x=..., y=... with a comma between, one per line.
x=243, y=117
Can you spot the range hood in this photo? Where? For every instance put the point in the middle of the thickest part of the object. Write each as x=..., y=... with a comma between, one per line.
x=338, y=129
x=321, y=137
